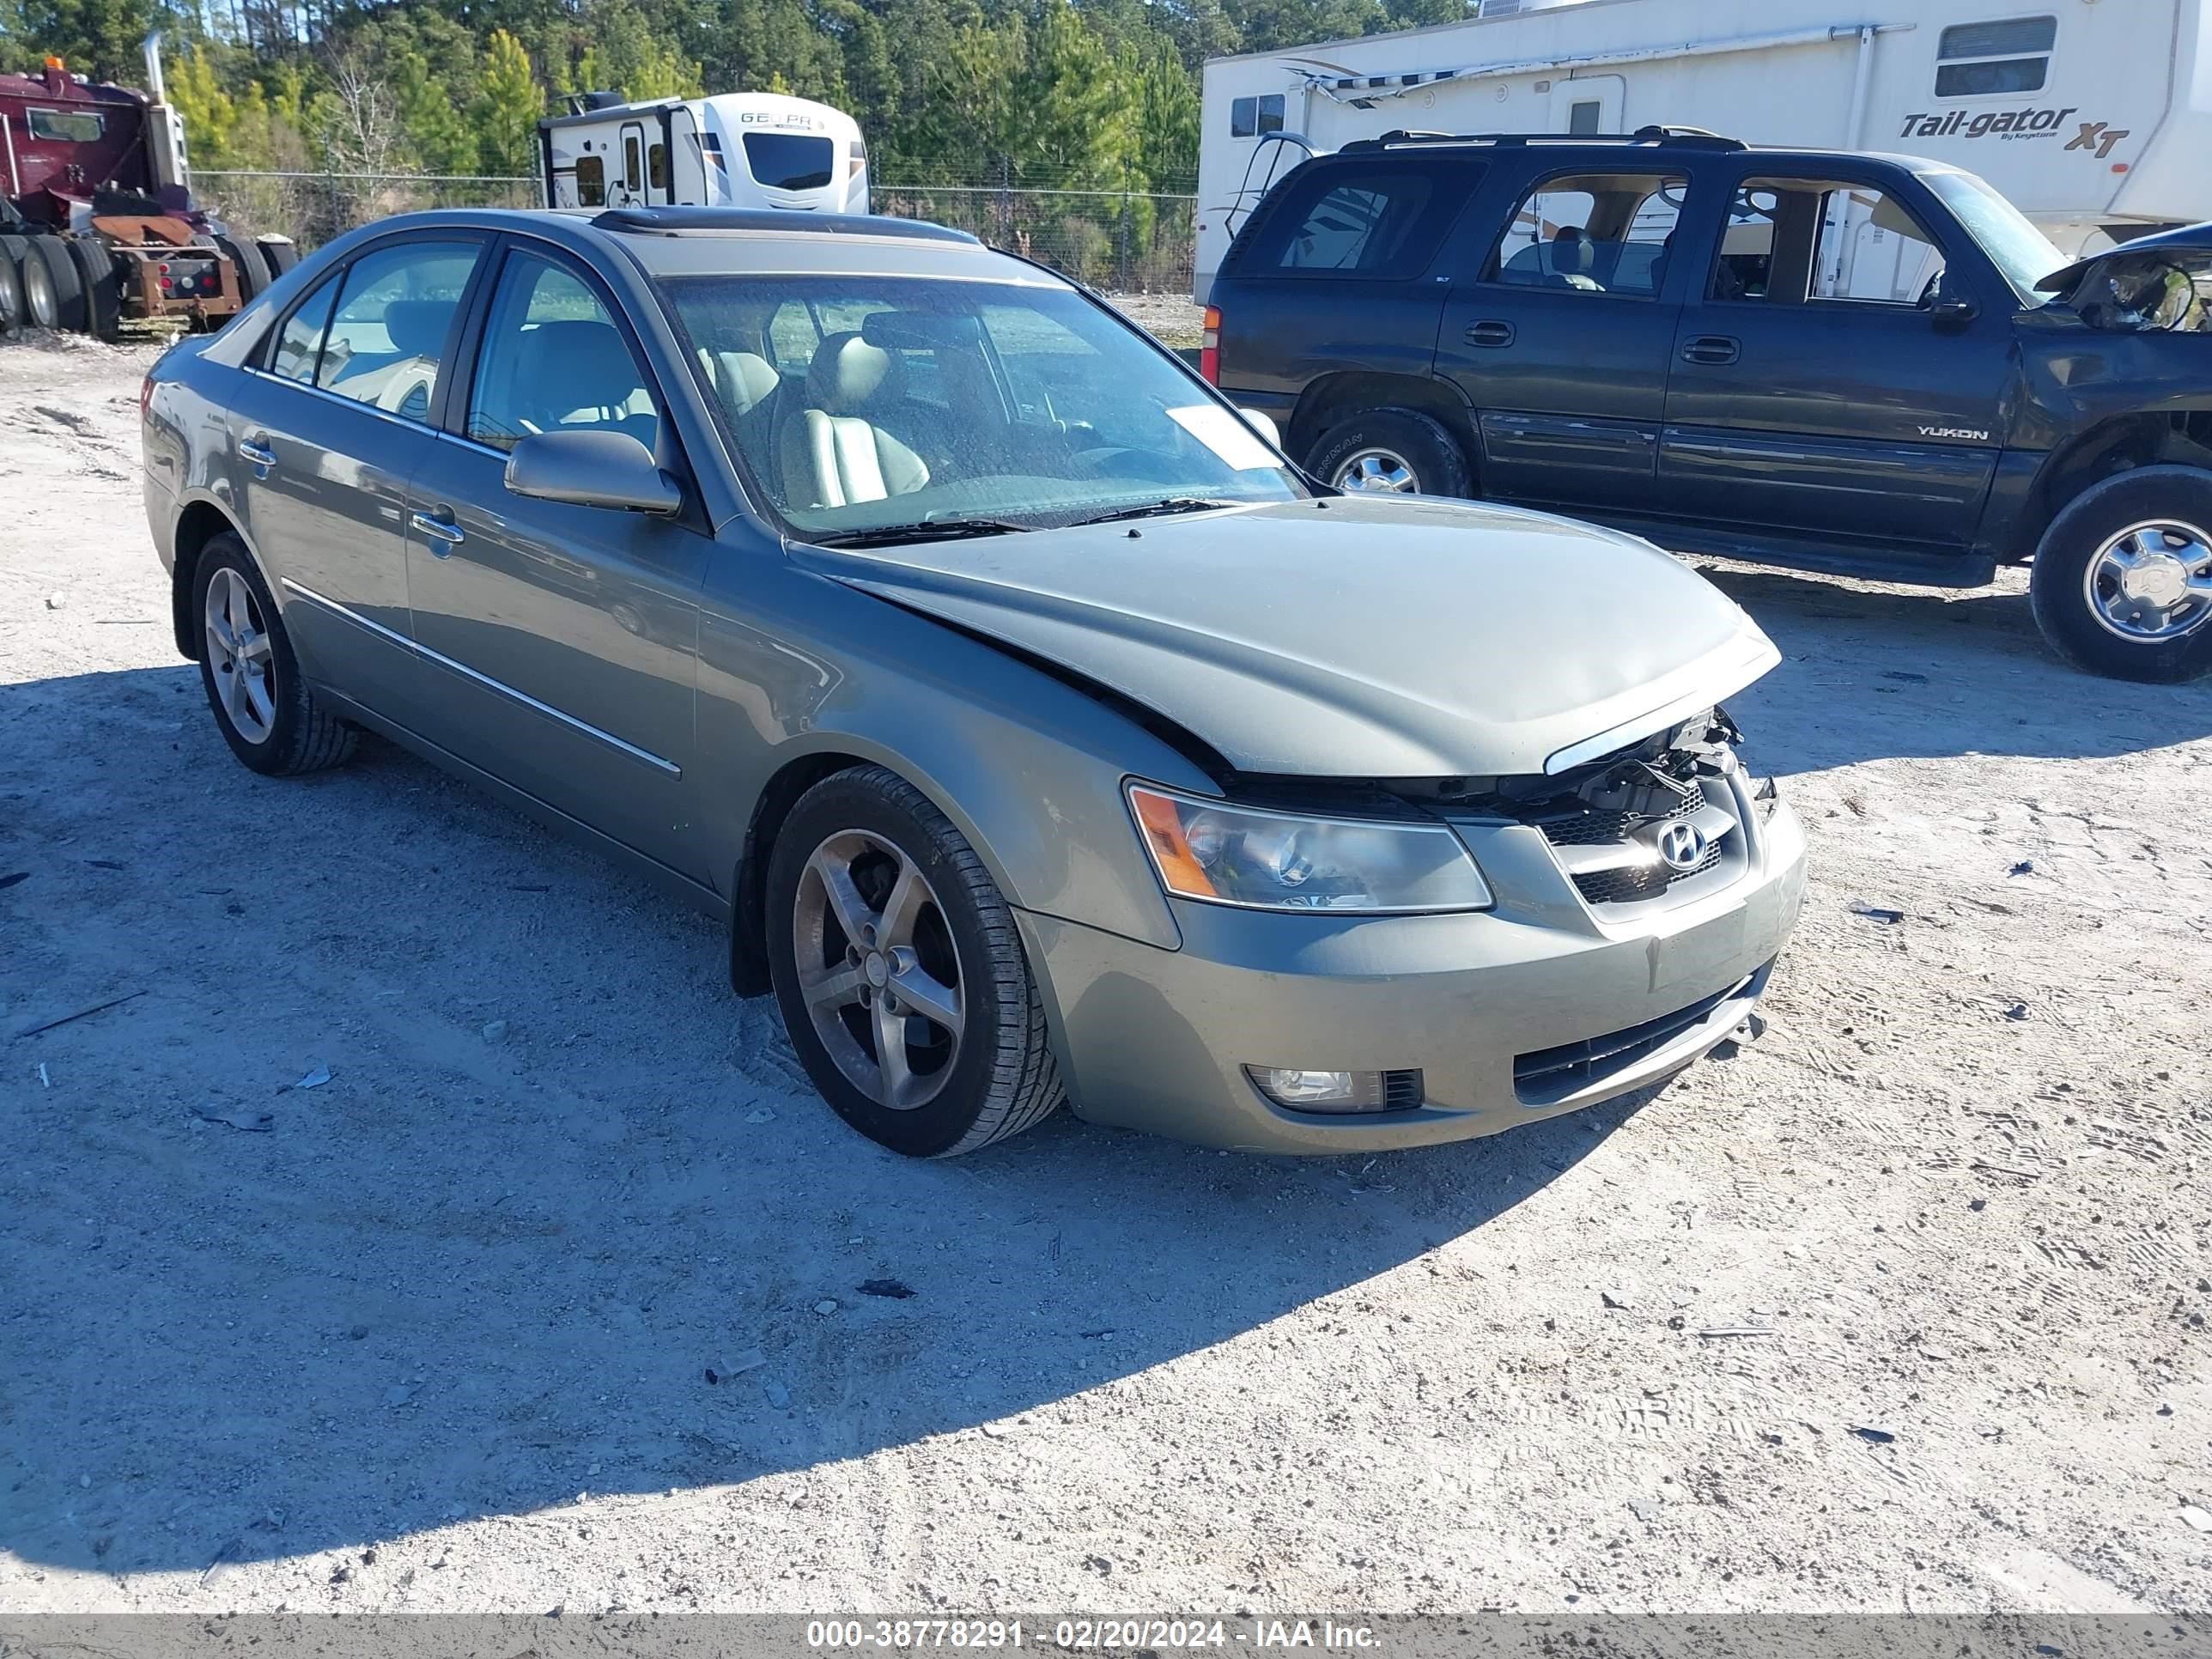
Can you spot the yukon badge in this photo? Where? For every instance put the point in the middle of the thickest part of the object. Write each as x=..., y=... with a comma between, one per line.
x=1978, y=435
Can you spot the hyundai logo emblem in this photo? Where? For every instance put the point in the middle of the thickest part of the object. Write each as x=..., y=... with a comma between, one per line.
x=1681, y=845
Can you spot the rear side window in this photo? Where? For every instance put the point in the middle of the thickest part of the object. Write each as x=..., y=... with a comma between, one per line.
x=388, y=336
x=1382, y=220
x=1592, y=234
x=790, y=160
x=1978, y=60
x=301, y=341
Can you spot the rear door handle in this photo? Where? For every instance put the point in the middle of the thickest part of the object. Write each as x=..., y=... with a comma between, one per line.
x=256, y=452
x=1711, y=348
x=1489, y=334
x=440, y=529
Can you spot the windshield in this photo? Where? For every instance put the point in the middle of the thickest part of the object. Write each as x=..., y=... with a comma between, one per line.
x=2014, y=246
x=864, y=402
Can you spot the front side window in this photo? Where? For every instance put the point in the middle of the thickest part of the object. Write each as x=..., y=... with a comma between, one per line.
x=387, y=339
x=553, y=361
x=1382, y=220
x=1592, y=234
x=300, y=343
x=1980, y=60
x=935, y=402
x=1789, y=240
x=68, y=126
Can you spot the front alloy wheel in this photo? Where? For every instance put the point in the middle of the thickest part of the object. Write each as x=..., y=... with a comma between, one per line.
x=2122, y=582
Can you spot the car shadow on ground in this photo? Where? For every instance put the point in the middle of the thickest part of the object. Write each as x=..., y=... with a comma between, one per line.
x=478, y=1272
x=1883, y=673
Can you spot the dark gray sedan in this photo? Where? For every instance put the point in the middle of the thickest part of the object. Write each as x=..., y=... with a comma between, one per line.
x=1040, y=733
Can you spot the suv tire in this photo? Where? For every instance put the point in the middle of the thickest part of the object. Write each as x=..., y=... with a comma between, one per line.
x=2156, y=627
x=954, y=942
x=1397, y=450
x=281, y=728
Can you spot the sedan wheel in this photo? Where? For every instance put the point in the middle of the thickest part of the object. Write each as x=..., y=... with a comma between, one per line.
x=879, y=969
x=241, y=655
x=900, y=971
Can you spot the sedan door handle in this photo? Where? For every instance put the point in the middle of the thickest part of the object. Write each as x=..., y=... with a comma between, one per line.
x=256, y=452
x=1489, y=334
x=439, y=529
x=1711, y=348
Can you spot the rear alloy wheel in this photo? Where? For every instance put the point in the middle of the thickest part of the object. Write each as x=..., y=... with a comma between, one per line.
x=2122, y=584
x=1391, y=452
x=899, y=973
x=273, y=722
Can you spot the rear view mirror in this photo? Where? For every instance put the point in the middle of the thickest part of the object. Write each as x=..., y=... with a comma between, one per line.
x=592, y=468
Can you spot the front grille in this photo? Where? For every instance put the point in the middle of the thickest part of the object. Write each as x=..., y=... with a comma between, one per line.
x=1550, y=1075
x=1595, y=828
x=1645, y=881
x=1602, y=827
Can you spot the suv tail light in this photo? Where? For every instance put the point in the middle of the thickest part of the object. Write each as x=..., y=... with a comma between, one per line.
x=1209, y=347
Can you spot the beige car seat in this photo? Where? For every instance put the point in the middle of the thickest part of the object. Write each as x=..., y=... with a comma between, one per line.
x=832, y=452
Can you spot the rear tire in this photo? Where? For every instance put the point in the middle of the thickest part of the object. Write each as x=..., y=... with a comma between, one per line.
x=955, y=946
x=64, y=283
x=2115, y=583
x=11, y=291
x=253, y=277
x=276, y=725
x=103, y=298
x=279, y=254
x=1392, y=452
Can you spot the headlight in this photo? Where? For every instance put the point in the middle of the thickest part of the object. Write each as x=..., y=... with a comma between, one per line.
x=1286, y=861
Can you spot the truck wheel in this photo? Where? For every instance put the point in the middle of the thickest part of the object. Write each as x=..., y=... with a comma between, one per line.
x=1398, y=451
x=271, y=721
x=278, y=253
x=103, y=298
x=2121, y=583
x=899, y=973
x=11, y=292
x=252, y=275
x=56, y=279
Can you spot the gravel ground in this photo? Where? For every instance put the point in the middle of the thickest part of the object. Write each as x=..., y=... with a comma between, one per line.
x=1901, y=1308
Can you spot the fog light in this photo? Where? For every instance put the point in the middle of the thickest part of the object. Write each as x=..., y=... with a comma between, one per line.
x=1300, y=1090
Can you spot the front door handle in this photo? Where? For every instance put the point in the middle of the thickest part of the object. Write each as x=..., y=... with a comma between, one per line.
x=444, y=534
x=1711, y=348
x=256, y=452
x=1489, y=334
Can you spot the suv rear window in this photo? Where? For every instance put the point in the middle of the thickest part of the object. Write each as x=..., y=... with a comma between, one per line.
x=1383, y=219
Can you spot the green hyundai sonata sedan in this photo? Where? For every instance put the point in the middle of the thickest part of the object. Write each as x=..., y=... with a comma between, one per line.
x=1042, y=734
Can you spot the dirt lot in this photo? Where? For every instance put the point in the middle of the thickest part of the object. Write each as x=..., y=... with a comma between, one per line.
x=1900, y=1308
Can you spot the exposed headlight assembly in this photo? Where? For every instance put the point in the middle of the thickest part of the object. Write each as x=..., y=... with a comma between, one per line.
x=1262, y=861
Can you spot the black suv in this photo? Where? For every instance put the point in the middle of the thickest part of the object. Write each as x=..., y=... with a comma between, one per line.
x=1862, y=363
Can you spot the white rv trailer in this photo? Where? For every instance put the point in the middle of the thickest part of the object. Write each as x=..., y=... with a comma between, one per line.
x=753, y=150
x=2093, y=116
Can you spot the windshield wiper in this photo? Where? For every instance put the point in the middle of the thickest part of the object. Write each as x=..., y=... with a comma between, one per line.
x=922, y=530
x=1156, y=509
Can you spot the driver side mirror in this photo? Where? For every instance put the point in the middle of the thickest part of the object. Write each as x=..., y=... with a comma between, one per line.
x=592, y=468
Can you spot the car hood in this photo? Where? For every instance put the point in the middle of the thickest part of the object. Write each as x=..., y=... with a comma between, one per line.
x=1354, y=637
x=2188, y=245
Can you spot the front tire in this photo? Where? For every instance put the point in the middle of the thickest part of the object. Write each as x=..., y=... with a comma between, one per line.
x=2122, y=582
x=1399, y=452
x=900, y=974
x=272, y=722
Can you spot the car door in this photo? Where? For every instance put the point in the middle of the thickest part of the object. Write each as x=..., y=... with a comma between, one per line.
x=567, y=636
x=1817, y=388
x=325, y=430
x=1559, y=332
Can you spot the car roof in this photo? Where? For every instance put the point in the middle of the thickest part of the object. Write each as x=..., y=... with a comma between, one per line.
x=1625, y=150
x=736, y=242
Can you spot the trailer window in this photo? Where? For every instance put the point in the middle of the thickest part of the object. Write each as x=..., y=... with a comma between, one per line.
x=790, y=160
x=1977, y=60
x=656, y=167
x=591, y=181
x=633, y=165
x=1591, y=233
x=68, y=126
x=1248, y=118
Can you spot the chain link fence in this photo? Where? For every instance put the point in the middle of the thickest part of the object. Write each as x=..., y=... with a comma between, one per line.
x=1130, y=242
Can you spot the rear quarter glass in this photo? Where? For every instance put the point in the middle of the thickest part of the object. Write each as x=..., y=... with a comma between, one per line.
x=1380, y=216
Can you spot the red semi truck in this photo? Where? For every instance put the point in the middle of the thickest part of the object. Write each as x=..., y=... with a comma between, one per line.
x=97, y=220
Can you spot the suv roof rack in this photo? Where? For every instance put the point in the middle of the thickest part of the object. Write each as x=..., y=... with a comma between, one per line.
x=1679, y=138
x=675, y=221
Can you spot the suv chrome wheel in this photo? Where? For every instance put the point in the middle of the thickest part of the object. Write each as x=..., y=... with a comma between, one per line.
x=242, y=657
x=878, y=969
x=2151, y=581
x=1381, y=471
